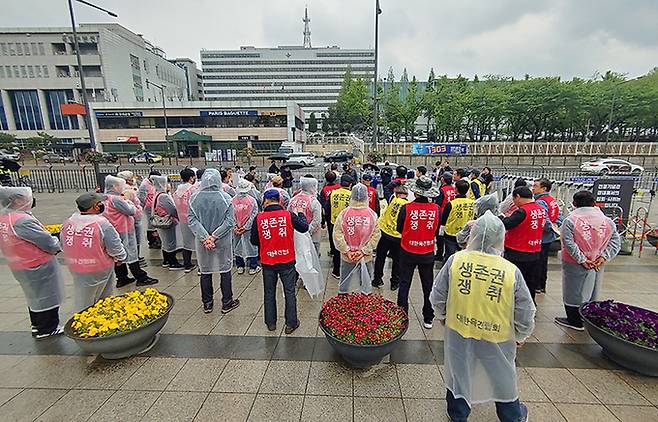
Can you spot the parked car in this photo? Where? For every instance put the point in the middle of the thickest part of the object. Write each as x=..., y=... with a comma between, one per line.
x=604, y=166
x=56, y=158
x=5, y=155
x=110, y=157
x=303, y=158
x=340, y=155
x=146, y=157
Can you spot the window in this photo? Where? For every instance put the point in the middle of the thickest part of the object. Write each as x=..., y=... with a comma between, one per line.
x=35, y=51
x=8, y=70
x=30, y=71
x=17, y=73
x=26, y=108
x=26, y=49
x=23, y=72
x=42, y=49
x=45, y=71
x=37, y=71
x=2, y=72
x=54, y=100
x=12, y=49
x=19, y=49
x=3, y=49
x=287, y=62
x=286, y=69
x=59, y=48
x=3, y=117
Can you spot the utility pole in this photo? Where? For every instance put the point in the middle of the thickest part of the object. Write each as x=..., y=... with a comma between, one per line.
x=375, y=113
x=164, y=111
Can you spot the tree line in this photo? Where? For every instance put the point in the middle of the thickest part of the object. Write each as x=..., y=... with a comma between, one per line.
x=495, y=108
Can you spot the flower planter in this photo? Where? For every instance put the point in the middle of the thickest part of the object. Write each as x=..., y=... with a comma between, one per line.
x=125, y=344
x=652, y=238
x=636, y=357
x=362, y=329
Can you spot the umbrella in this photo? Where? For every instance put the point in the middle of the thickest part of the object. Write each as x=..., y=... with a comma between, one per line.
x=295, y=166
x=278, y=157
x=370, y=166
x=10, y=165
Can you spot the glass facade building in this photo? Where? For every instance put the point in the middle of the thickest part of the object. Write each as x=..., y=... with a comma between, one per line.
x=58, y=121
x=27, y=112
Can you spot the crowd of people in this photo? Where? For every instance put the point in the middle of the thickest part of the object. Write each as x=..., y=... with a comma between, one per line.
x=493, y=254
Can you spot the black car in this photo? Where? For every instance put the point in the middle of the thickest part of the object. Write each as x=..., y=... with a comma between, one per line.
x=109, y=157
x=338, y=156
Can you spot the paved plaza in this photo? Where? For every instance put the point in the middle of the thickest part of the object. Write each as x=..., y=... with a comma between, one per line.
x=214, y=367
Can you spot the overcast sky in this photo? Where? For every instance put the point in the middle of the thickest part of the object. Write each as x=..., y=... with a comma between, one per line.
x=506, y=37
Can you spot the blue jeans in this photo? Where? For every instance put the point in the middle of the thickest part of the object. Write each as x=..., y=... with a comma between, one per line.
x=253, y=262
x=450, y=247
x=458, y=409
x=288, y=276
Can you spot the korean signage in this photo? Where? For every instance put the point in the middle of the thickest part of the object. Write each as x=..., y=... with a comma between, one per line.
x=223, y=113
x=222, y=155
x=247, y=137
x=109, y=114
x=439, y=149
x=132, y=139
x=612, y=194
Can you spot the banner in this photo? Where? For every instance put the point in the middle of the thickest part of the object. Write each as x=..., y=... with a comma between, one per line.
x=439, y=149
x=613, y=194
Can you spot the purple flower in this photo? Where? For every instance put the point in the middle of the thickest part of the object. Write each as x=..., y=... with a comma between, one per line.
x=637, y=325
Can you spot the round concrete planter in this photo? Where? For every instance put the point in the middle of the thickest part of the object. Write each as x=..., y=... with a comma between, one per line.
x=361, y=355
x=123, y=345
x=640, y=359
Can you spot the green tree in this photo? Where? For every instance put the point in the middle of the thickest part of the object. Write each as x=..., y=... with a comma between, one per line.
x=352, y=110
x=312, y=123
x=325, y=123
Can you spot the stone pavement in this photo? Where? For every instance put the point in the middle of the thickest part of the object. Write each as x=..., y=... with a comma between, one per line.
x=230, y=368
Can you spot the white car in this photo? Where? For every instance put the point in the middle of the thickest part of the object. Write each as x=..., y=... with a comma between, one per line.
x=303, y=158
x=604, y=166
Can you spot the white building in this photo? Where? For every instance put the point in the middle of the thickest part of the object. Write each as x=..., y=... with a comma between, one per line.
x=194, y=85
x=308, y=76
x=39, y=72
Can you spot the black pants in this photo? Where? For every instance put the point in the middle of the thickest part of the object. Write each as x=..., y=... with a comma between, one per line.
x=529, y=271
x=153, y=239
x=387, y=244
x=334, y=251
x=573, y=316
x=170, y=258
x=224, y=285
x=288, y=276
x=121, y=271
x=439, y=246
x=450, y=247
x=542, y=266
x=425, y=264
x=187, y=258
x=45, y=322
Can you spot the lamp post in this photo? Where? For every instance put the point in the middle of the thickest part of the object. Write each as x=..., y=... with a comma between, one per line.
x=83, y=87
x=164, y=110
x=612, y=109
x=375, y=129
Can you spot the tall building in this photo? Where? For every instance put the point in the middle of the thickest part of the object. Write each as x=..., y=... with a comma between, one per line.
x=39, y=72
x=309, y=76
x=193, y=75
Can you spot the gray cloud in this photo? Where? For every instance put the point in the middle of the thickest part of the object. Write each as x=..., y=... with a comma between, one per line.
x=510, y=37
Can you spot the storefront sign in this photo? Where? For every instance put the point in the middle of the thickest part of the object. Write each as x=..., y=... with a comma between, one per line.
x=110, y=114
x=613, y=194
x=132, y=139
x=247, y=137
x=223, y=113
x=439, y=149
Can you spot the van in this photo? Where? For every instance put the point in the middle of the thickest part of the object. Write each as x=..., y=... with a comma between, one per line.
x=303, y=158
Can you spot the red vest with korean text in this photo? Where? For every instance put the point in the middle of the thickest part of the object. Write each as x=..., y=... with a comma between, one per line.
x=276, y=237
x=20, y=253
x=83, y=248
x=419, y=231
x=121, y=222
x=449, y=193
x=242, y=209
x=526, y=237
x=358, y=226
x=553, y=207
x=372, y=198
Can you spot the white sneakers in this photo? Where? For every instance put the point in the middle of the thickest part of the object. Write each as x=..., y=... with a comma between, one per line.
x=253, y=271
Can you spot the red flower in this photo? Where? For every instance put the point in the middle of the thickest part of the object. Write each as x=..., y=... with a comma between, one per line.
x=357, y=318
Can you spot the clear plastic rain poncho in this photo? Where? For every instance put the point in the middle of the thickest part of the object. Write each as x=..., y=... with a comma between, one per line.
x=308, y=202
x=480, y=207
x=182, y=201
x=211, y=214
x=163, y=204
x=120, y=212
x=245, y=210
x=488, y=309
x=29, y=250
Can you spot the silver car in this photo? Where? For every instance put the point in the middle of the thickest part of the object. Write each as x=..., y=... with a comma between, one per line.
x=604, y=166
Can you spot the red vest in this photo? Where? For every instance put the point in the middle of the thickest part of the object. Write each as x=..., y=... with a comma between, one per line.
x=526, y=237
x=20, y=253
x=302, y=201
x=372, y=198
x=121, y=222
x=419, y=231
x=553, y=207
x=449, y=193
x=84, y=250
x=326, y=190
x=242, y=209
x=276, y=237
x=358, y=226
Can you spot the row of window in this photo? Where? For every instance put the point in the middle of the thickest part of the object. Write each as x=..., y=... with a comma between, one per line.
x=347, y=54
x=228, y=55
x=328, y=76
x=291, y=62
x=342, y=70
x=26, y=108
x=192, y=122
x=271, y=98
x=265, y=84
x=24, y=71
x=22, y=49
x=275, y=90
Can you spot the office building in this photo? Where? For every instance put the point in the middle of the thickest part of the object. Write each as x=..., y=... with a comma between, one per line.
x=310, y=76
x=194, y=128
x=193, y=75
x=39, y=72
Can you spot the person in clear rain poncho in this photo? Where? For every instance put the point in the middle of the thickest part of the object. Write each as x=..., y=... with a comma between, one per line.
x=480, y=207
x=307, y=201
x=245, y=209
x=182, y=200
x=146, y=194
x=212, y=221
x=30, y=253
x=131, y=187
x=91, y=247
x=163, y=205
x=120, y=211
x=486, y=307
x=356, y=235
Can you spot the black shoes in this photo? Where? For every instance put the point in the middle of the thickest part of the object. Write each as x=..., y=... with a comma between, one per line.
x=228, y=308
x=147, y=282
x=189, y=268
x=289, y=330
x=176, y=267
x=121, y=283
x=207, y=307
x=394, y=287
x=56, y=332
x=565, y=323
x=271, y=327
x=377, y=283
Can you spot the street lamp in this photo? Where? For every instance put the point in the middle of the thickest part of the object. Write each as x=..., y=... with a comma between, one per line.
x=612, y=109
x=375, y=129
x=164, y=110
x=85, y=100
